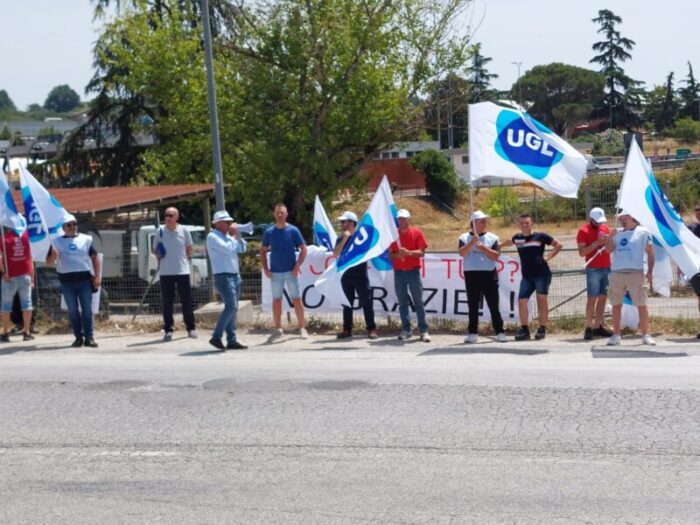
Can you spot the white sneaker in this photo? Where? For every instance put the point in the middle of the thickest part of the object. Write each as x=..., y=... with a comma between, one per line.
x=276, y=334
x=614, y=340
x=405, y=334
x=168, y=336
x=502, y=338
x=303, y=334
x=192, y=334
x=648, y=340
x=471, y=338
x=425, y=337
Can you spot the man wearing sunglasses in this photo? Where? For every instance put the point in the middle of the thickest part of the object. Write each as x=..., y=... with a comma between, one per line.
x=172, y=245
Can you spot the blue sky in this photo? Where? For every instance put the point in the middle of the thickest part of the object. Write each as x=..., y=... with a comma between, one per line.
x=49, y=42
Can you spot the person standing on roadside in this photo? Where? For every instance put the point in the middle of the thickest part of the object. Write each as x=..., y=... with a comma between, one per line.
x=591, y=239
x=694, y=280
x=355, y=281
x=406, y=255
x=536, y=275
x=172, y=245
x=281, y=241
x=17, y=279
x=224, y=243
x=479, y=250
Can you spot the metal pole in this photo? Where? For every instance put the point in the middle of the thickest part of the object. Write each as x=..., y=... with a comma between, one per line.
x=213, y=116
x=520, y=88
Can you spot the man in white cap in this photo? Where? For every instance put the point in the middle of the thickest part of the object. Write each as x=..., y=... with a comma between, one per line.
x=406, y=255
x=223, y=250
x=629, y=248
x=355, y=280
x=590, y=239
x=479, y=250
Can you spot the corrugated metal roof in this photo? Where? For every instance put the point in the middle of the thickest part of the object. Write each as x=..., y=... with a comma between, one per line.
x=122, y=198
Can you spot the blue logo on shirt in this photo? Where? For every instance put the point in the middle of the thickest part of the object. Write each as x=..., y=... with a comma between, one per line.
x=624, y=242
x=363, y=240
x=72, y=246
x=663, y=211
x=519, y=144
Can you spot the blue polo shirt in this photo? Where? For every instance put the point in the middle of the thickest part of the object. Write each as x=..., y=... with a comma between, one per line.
x=282, y=243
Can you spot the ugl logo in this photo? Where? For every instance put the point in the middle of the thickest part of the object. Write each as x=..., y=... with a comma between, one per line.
x=363, y=240
x=519, y=144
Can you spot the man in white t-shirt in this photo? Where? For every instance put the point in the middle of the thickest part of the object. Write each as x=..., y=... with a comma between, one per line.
x=628, y=248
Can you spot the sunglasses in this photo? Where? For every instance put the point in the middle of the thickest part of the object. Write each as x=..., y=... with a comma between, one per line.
x=697, y=209
x=70, y=224
x=170, y=215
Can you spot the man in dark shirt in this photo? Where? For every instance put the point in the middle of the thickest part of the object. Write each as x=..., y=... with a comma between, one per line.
x=695, y=279
x=536, y=275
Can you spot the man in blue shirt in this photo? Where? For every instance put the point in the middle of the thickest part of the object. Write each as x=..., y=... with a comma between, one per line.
x=281, y=241
x=223, y=250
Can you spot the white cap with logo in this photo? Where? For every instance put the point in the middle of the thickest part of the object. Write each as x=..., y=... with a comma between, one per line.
x=348, y=216
x=598, y=215
x=403, y=213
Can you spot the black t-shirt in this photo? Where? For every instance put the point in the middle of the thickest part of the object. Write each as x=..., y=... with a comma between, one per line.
x=531, y=252
x=695, y=228
x=355, y=271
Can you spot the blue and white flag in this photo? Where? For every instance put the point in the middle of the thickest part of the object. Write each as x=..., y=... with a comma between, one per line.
x=662, y=275
x=510, y=144
x=374, y=234
x=44, y=214
x=324, y=234
x=9, y=216
x=642, y=198
x=629, y=316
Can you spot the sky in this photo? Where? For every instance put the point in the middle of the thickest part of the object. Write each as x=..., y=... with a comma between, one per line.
x=49, y=42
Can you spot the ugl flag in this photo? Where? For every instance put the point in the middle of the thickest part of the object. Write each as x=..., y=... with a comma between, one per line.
x=324, y=234
x=44, y=214
x=510, y=144
x=9, y=217
x=642, y=198
x=374, y=234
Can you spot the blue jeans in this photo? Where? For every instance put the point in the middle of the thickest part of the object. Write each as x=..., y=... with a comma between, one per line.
x=597, y=281
x=79, y=292
x=229, y=287
x=405, y=281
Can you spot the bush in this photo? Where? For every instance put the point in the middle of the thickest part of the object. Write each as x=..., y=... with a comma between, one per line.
x=440, y=177
x=609, y=143
x=685, y=130
x=501, y=201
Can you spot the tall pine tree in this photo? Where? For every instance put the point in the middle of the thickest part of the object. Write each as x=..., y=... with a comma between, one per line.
x=690, y=96
x=478, y=76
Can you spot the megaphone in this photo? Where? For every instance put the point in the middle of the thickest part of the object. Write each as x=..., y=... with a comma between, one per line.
x=246, y=228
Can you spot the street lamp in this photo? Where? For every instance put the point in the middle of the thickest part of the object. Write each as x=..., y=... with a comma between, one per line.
x=520, y=88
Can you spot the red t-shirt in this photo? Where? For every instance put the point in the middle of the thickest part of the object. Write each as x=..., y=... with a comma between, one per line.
x=411, y=239
x=19, y=258
x=588, y=235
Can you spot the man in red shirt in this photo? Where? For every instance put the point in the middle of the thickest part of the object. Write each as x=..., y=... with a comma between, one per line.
x=406, y=258
x=591, y=239
x=17, y=277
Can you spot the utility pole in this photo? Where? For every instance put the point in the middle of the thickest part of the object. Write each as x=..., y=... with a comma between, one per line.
x=213, y=115
x=520, y=89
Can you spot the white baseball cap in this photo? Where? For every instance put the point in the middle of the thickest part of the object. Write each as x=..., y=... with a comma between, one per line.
x=403, y=213
x=222, y=215
x=348, y=216
x=478, y=214
x=598, y=215
x=69, y=218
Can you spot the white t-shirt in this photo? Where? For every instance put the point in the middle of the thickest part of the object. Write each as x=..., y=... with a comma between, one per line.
x=630, y=249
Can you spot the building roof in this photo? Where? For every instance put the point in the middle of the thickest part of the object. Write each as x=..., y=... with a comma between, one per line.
x=93, y=201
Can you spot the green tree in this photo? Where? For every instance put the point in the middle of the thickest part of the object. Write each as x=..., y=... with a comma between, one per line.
x=622, y=101
x=689, y=95
x=6, y=104
x=440, y=177
x=685, y=130
x=669, y=109
x=561, y=95
x=478, y=76
x=446, y=110
x=653, y=107
x=62, y=99
x=5, y=133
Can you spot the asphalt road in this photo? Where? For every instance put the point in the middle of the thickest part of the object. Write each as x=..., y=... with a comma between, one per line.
x=138, y=431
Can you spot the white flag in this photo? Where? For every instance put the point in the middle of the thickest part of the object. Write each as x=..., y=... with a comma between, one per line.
x=324, y=234
x=641, y=197
x=506, y=143
x=663, y=271
x=44, y=214
x=629, y=316
x=374, y=234
x=9, y=216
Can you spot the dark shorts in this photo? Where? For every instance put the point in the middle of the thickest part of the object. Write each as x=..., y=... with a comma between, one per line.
x=695, y=283
x=534, y=284
x=597, y=281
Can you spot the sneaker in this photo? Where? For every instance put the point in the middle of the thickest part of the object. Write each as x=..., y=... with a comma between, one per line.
x=648, y=340
x=523, y=334
x=168, y=336
x=502, y=338
x=614, y=340
x=471, y=338
x=343, y=335
x=425, y=337
x=89, y=341
x=588, y=334
x=192, y=334
x=235, y=345
x=78, y=342
x=217, y=343
x=601, y=331
x=541, y=333
x=28, y=337
x=372, y=334
x=405, y=334
x=275, y=335
x=4, y=338
x=303, y=334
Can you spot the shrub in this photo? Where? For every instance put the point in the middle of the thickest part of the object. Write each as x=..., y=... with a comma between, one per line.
x=609, y=143
x=685, y=130
x=440, y=177
x=501, y=201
